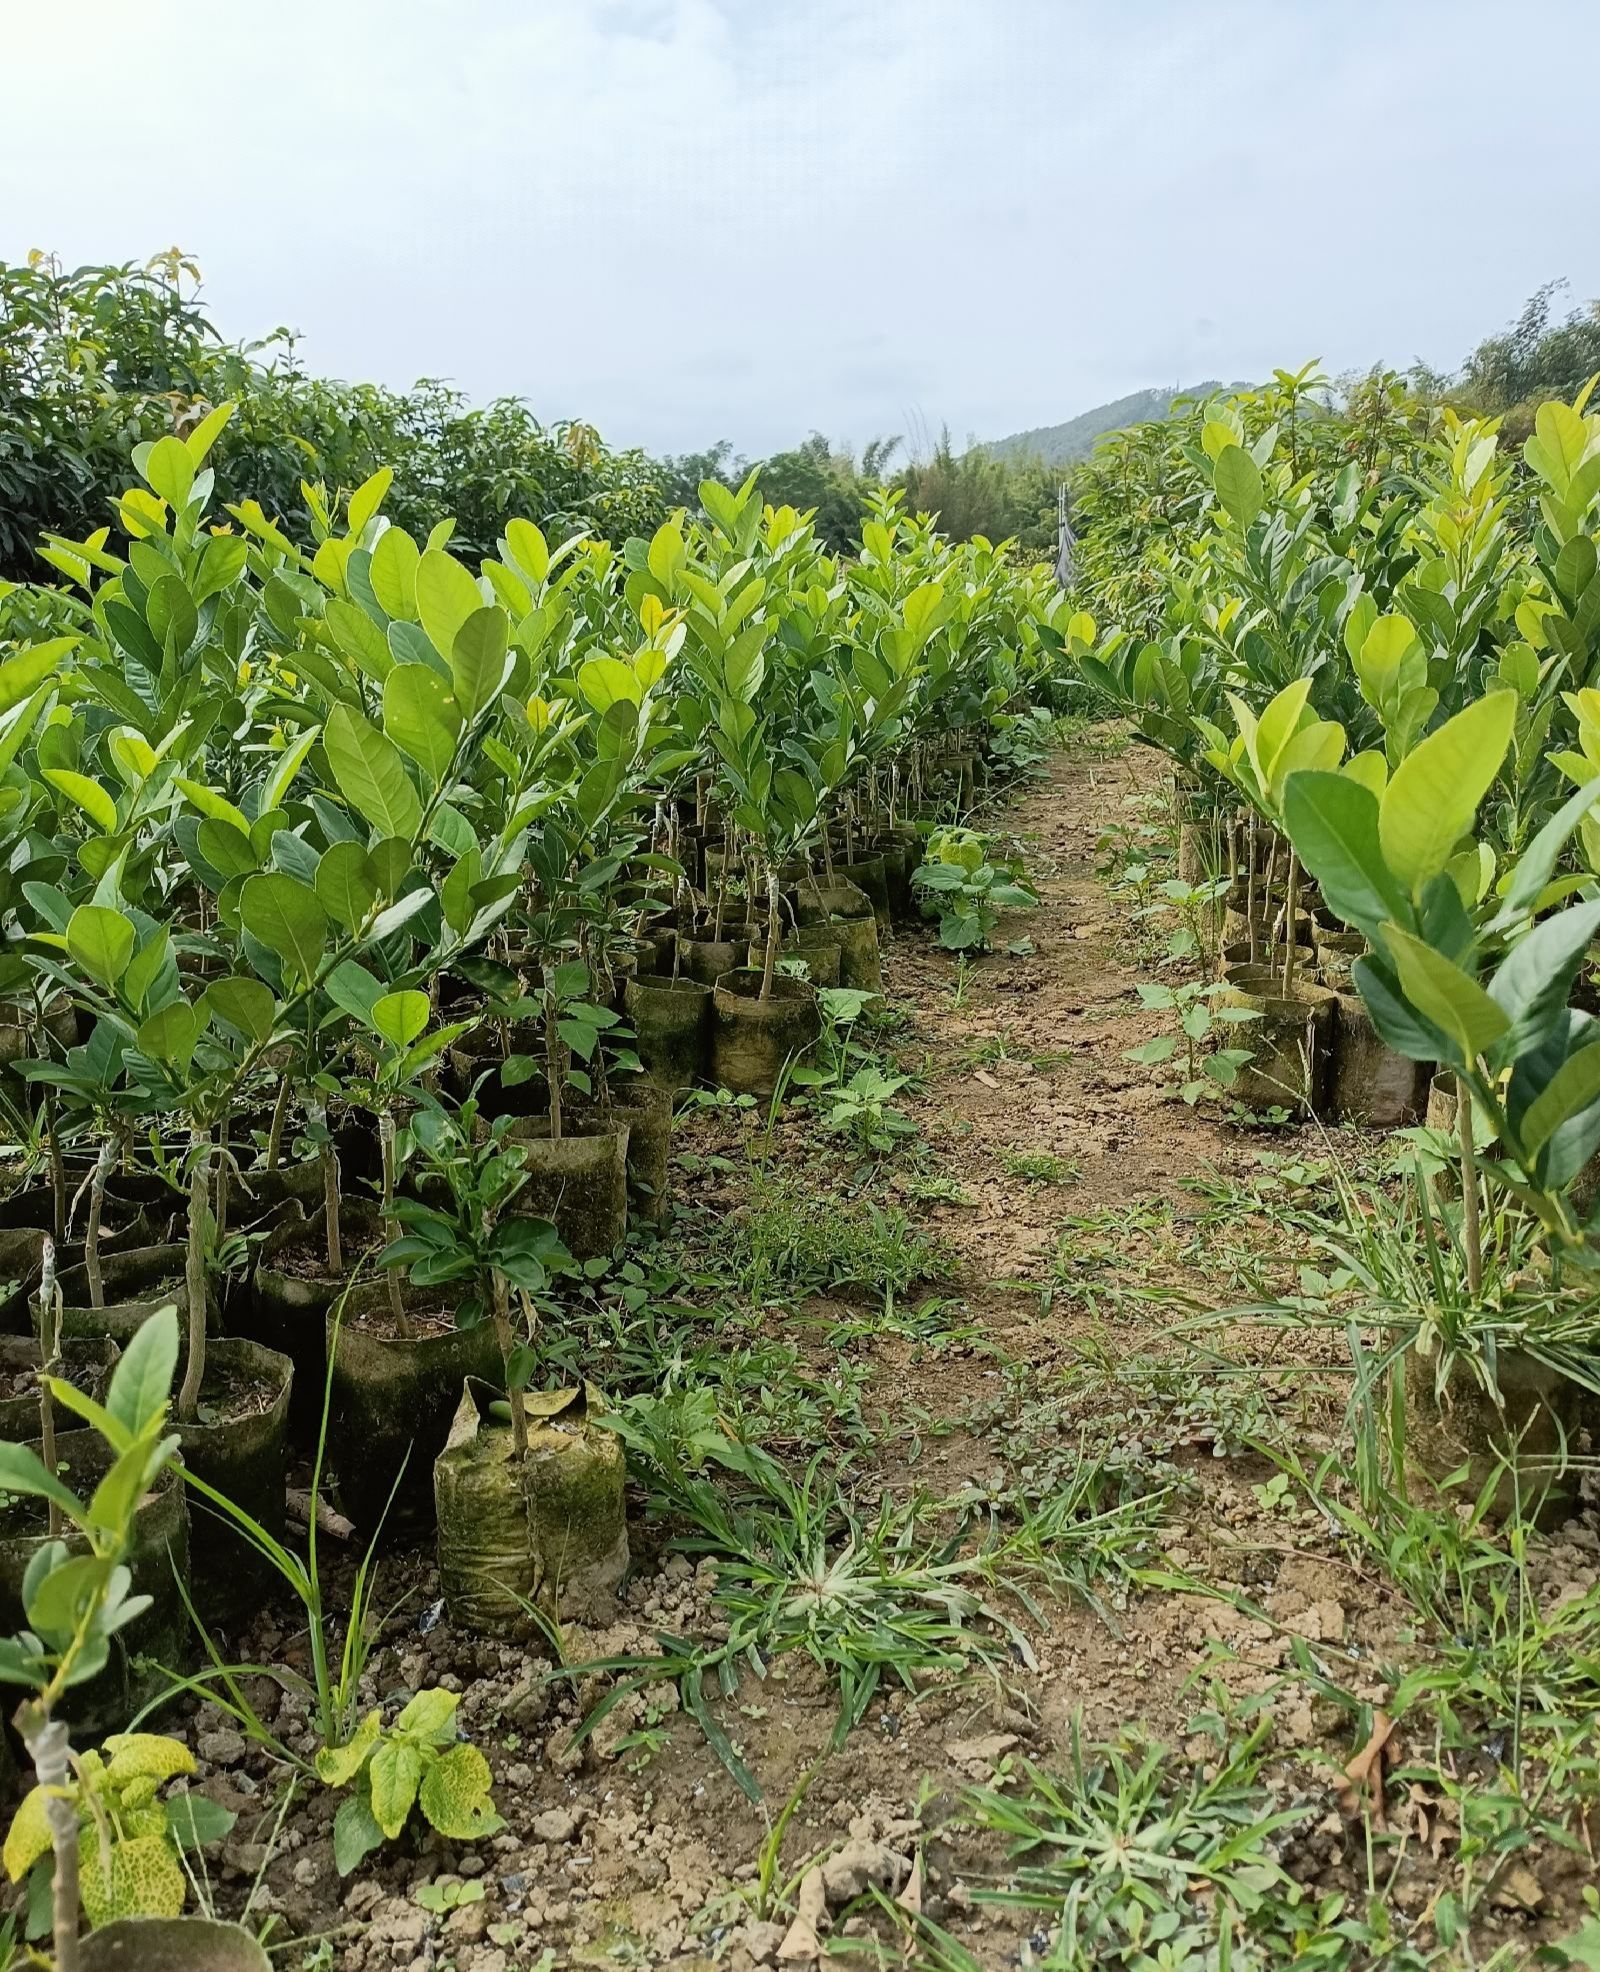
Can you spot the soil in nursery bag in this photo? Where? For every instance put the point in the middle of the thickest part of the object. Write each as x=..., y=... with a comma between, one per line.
x=1540, y=1412
x=134, y=1285
x=239, y=1445
x=848, y=915
x=549, y=1529
x=705, y=958
x=752, y=1038
x=286, y=1304
x=393, y=1398
x=163, y=1634
x=870, y=876
x=1288, y=1040
x=819, y=950
x=671, y=1021
x=645, y=1110
x=1369, y=1083
x=578, y=1181
x=86, y=1363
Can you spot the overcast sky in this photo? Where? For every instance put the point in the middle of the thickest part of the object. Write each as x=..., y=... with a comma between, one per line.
x=693, y=219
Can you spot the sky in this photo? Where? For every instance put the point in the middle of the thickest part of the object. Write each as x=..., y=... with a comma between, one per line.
x=686, y=220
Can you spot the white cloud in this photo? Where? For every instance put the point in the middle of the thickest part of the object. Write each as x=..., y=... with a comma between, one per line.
x=685, y=219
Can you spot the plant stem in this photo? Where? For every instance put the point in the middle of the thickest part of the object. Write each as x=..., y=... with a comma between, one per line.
x=1250, y=888
x=722, y=884
x=772, y=935
x=58, y=1169
x=397, y=1302
x=552, y=1053
x=280, y=1114
x=91, y=1237
x=194, y=1277
x=500, y=1303
x=223, y=1123
x=50, y=1751
x=328, y=1158
x=1289, y=939
x=49, y=1353
x=1471, y=1229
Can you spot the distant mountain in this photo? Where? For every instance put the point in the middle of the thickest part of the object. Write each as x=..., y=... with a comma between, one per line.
x=1060, y=445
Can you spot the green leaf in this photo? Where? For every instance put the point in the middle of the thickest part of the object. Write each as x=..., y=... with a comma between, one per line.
x=169, y=470
x=287, y=917
x=365, y=501
x=361, y=640
x=1237, y=479
x=394, y=574
x=370, y=773
x=1449, y=997
x=604, y=681
x=214, y=804
x=400, y=1018
x=478, y=658
x=1532, y=982
x=355, y=1834
x=244, y=1004
x=1536, y=865
x=205, y=434
x=446, y=597
x=421, y=716
x=101, y=941
x=432, y=1713
x=1575, y=1084
x=226, y=849
x=290, y=761
x=337, y=1766
x=22, y=1471
x=86, y=794
x=1431, y=801
x=170, y=1034
x=59, y=1603
x=1332, y=822
x=141, y=1383
x=393, y=1774
x=22, y=675
x=353, y=989
x=195, y=1820
x=346, y=883
x=454, y=1796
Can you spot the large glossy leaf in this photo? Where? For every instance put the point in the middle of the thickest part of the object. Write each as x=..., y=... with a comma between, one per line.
x=370, y=773
x=1333, y=823
x=421, y=716
x=1237, y=479
x=394, y=574
x=346, y=883
x=478, y=661
x=1452, y=999
x=1431, y=801
x=101, y=941
x=1532, y=981
x=446, y=597
x=288, y=918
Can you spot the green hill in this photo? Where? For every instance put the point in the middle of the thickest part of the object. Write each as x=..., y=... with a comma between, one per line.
x=1059, y=445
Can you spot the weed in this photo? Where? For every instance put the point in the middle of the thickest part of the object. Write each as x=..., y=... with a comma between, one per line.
x=1039, y=1167
x=791, y=1242
x=1142, y=1856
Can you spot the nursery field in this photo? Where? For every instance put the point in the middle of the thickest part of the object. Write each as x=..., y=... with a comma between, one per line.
x=719, y=1254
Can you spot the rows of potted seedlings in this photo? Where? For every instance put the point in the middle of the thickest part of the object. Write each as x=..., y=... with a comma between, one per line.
x=1375, y=680
x=365, y=913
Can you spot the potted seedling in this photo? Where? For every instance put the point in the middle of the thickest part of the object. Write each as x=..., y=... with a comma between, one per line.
x=528, y=1493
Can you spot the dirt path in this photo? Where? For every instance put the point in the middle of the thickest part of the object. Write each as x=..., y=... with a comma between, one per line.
x=1061, y=1180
